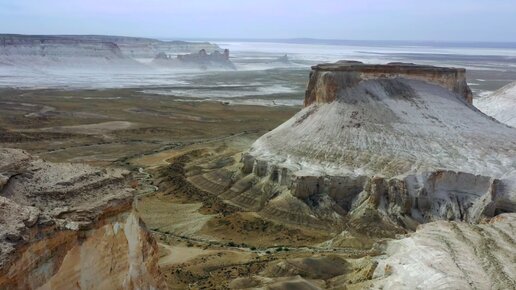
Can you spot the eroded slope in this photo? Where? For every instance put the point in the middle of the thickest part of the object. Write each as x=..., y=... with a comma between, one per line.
x=70, y=224
x=500, y=105
x=379, y=151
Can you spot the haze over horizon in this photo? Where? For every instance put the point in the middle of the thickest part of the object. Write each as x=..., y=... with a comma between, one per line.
x=462, y=20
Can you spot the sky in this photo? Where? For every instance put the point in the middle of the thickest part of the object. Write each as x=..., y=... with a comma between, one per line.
x=428, y=20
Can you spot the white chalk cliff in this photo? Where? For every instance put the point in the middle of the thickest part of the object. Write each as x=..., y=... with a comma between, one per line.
x=61, y=52
x=87, y=52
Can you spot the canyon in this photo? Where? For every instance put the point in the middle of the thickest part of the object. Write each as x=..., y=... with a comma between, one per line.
x=389, y=177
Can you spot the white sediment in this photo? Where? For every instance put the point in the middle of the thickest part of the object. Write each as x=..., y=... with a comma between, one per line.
x=500, y=105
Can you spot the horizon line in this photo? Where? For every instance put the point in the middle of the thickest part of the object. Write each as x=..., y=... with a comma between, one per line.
x=266, y=39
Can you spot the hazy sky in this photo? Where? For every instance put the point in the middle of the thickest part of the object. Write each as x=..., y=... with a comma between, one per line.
x=456, y=20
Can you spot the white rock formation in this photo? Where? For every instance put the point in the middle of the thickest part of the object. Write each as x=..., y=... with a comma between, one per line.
x=500, y=105
x=200, y=60
x=87, y=52
x=140, y=47
x=62, y=52
x=452, y=255
x=402, y=138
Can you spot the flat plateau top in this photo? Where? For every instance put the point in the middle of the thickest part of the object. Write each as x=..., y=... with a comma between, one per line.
x=393, y=67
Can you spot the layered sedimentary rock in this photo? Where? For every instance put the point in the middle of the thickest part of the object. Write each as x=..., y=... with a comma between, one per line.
x=59, y=51
x=500, y=105
x=327, y=79
x=68, y=226
x=88, y=51
x=139, y=47
x=398, y=141
x=200, y=60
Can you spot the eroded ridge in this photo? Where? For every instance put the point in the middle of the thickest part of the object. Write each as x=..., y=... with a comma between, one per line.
x=455, y=256
x=364, y=217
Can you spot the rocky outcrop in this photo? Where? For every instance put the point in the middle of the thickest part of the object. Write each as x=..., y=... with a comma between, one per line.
x=500, y=104
x=400, y=142
x=59, y=51
x=70, y=226
x=88, y=51
x=201, y=60
x=139, y=47
x=327, y=79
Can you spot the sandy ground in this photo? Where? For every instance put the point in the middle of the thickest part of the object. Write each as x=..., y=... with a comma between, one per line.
x=163, y=214
x=121, y=123
x=180, y=254
x=92, y=129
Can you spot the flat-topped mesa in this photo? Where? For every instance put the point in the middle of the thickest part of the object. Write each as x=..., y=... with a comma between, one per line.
x=404, y=137
x=136, y=47
x=328, y=80
x=68, y=53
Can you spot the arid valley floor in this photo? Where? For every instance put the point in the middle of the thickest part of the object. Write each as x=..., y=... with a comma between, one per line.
x=204, y=243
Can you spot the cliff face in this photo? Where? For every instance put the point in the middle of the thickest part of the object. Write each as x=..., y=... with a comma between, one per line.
x=67, y=226
x=139, y=47
x=87, y=51
x=56, y=46
x=56, y=51
x=327, y=79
